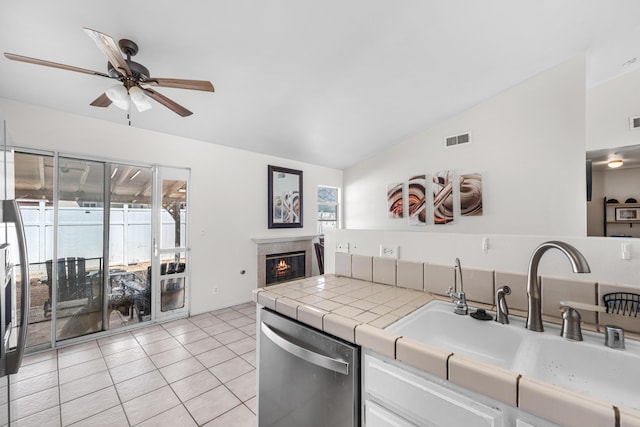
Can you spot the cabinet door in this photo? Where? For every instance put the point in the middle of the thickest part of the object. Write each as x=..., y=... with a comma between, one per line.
x=422, y=401
x=377, y=416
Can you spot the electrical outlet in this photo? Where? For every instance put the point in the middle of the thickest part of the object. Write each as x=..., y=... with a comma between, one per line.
x=342, y=247
x=389, y=251
x=216, y=290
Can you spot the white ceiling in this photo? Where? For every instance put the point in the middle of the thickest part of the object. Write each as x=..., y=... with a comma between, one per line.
x=327, y=82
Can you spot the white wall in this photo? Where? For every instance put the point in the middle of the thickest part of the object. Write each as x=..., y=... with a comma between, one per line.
x=528, y=142
x=609, y=107
x=228, y=190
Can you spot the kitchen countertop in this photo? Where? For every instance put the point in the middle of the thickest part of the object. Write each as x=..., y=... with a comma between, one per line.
x=358, y=311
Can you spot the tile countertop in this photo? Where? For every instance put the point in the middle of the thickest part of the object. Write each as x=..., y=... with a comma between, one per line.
x=358, y=311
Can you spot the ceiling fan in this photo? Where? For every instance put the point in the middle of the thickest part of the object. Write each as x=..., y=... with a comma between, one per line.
x=135, y=80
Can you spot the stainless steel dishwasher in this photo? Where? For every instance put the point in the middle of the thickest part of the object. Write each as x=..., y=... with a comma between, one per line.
x=306, y=378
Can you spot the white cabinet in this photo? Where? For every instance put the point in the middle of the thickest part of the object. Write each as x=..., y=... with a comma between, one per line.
x=419, y=401
x=396, y=395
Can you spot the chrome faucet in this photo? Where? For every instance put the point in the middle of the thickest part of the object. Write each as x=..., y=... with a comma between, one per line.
x=459, y=297
x=578, y=264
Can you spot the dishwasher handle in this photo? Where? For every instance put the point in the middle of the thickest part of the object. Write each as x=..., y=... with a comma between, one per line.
x=336, y=365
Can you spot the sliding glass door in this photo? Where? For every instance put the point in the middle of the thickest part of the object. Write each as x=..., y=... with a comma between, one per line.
x=130, y=235
x=79, y=266
x=32, y=176
x=107, y=244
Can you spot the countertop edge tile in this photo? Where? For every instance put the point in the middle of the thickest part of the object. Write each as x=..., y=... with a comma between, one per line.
x=563, y=406
x=254, y=294
x=484, y=378
x=287, y=307
x=311, y=316
x=376, y=339
x=340, y=326
x=422, y=356
x=629, y=417
x=267, y=299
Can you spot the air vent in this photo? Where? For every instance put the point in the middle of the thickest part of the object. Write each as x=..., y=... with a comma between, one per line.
x=634, y=122
x=464, y=138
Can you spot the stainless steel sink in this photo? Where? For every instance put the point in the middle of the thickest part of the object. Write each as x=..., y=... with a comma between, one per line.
x=587, y=366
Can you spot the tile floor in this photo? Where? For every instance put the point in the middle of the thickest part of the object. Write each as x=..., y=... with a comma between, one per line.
x=199, y=371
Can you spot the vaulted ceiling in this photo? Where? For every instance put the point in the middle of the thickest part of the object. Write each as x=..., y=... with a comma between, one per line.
x=327, y=82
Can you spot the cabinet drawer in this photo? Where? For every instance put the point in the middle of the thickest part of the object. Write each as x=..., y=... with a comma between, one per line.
x=377, y=416
x=423, y=401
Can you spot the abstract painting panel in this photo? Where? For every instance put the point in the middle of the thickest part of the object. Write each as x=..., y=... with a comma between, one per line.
x=417, y=200
x=395, y=200
x=471, y=194
x=443, y=200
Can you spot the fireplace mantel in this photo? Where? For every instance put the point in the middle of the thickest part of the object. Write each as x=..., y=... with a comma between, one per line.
x=272, y=245
x=281, y=239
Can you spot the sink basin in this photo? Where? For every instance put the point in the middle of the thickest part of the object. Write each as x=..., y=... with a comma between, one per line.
x=436, y=324
x=588, y=366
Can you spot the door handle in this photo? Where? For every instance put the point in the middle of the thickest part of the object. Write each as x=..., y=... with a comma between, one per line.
x=336, y=365
x=11, y=213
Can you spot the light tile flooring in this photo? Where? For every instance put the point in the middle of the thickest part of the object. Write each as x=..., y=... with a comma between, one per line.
x=199, y=371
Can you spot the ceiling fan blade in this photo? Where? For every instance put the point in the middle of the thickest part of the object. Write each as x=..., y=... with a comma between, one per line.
x=20, y=58
x=101, y=101
x=203, y=85
x=172, y=105
x=111, y=50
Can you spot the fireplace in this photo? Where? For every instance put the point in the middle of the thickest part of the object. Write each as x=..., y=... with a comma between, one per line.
x=284, y=267
x=283, y=245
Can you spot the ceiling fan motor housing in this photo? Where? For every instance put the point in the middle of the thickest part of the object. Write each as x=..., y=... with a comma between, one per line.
x=138, y=71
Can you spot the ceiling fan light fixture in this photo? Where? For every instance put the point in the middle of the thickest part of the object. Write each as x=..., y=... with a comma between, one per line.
x=119, y=96
x=615, y=163
x=139, y=99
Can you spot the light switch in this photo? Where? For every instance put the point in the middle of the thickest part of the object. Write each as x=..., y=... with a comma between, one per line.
x=626, y=251
x=485, y=244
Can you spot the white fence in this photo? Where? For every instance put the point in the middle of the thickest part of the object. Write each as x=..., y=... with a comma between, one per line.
x=80, y=233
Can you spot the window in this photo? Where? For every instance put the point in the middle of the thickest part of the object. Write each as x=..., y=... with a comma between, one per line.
x=328, y=198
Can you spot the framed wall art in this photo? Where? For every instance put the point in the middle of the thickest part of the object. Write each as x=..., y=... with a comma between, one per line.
x=284, y=197
x=627, y=214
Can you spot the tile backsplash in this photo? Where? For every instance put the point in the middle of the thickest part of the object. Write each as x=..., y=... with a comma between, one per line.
x=384, y=270
x=556, y=290
x=480, y=286
x=517, y=282
x=362, y=267
x=410, y=274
